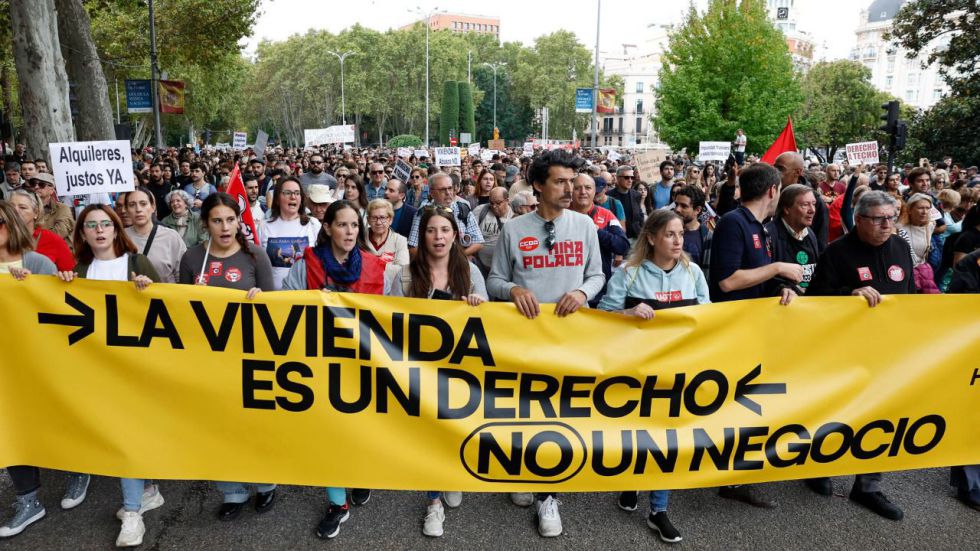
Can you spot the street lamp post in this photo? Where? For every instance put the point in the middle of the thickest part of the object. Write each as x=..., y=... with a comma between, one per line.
x=154, y=83
x=427, y=15
x=343, y=102
x=495, y=65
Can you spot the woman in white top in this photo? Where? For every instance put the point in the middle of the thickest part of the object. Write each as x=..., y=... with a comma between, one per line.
x=917, y=222
x=104, y=252
x=289, y=230
x=381, y=241
x=162, y=245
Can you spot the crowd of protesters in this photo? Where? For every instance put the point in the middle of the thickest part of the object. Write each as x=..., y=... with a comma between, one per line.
x=573, y=230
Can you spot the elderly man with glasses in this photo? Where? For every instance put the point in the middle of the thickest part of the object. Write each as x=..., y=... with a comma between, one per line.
x=443, y=195
x=869, y=262
x=377, y=182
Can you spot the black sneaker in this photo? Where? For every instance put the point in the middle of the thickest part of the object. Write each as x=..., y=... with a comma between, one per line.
x=627, y=500
x=878, y=503
x=971, y=498
x=329, y=527
x=659, y=523
x=359, y=496
x=821, y=486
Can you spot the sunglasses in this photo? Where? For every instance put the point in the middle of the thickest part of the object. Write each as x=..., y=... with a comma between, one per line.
x=549, y=241
x=627, y=177
x=377, y=172
x=438, y=209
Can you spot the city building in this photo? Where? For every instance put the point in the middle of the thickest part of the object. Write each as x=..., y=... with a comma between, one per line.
x=461, y=23
x=639, y=66
x=891, y=70
x=785, y=16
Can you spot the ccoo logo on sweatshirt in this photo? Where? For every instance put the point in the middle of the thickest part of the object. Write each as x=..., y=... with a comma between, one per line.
x=528, y=244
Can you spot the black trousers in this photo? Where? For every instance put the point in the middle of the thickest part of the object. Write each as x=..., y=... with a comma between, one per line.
x=26, y=478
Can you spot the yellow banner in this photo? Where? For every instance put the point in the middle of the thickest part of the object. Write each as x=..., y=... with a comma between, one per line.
x=185, y=382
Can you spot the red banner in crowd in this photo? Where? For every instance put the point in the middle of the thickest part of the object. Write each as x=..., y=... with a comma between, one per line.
x=785, y=142
x=237, y=190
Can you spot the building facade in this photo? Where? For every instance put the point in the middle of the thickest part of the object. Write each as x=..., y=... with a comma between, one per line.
x=785, y=15
x=891, y=71
x=461, y=23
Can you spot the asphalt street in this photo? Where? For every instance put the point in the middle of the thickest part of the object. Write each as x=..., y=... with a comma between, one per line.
x=392, y=520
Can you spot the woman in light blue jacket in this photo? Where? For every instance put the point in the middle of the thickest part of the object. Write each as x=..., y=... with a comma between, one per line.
x=657, y=275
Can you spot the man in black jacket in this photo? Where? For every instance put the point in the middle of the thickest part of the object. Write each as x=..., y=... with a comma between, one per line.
x=790, y=167
x=869, y=262
x=792, y=239
x=630, y=198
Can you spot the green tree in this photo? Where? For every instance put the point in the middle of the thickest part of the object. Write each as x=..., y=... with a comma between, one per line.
x=947, y=128
x=948, y=31
x=841, y=106
x=467, y=121
x=724, y=70
x=449, y=117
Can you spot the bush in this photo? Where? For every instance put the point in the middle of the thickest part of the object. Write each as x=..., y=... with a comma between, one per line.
x=405, y=140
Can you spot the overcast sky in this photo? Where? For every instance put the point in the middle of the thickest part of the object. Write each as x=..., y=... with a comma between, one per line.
x=830, y=22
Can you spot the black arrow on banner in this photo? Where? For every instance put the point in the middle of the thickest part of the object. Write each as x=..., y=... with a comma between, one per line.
x=85, y=321
x=743, y=388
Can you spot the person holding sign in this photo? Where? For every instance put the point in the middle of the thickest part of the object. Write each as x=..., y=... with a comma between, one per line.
x=440, y=271
x=162, y=245
x=338, y=262
x=550, y=255
x=105, y=252
x=228, y=261
x=657, y=275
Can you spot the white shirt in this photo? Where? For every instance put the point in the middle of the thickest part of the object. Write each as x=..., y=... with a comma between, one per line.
x=284, y=242
x=109, y=270
x=740, y=143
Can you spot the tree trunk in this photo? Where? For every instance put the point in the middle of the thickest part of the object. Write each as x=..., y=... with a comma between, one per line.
x=42, y=81
x=85, y=72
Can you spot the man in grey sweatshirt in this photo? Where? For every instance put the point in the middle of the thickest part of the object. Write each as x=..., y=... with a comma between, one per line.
x=550, y=255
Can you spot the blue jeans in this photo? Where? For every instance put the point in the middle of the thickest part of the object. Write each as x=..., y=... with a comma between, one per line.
x=132, y=490
x=658, y=500
x=433, y=495
x=337, y=496
x=237, y=492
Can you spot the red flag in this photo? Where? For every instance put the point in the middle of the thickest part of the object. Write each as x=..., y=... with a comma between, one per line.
x=237, y=190
x=785, y=142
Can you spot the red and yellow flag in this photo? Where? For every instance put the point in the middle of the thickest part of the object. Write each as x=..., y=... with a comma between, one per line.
x=171, y=97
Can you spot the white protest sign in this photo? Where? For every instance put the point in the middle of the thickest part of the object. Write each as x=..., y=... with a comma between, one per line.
x=404, y=152
x=448, y=156
x=84, y=168
x=473, y=149
x=612, y=156
x=221, y=146
x=419, y=153
x=528, y=149
x=402, y=171
x=465, y=137
x=862, y=153
x=238, y=140
x=487, y=154
x=715, y=151
x=329, y=135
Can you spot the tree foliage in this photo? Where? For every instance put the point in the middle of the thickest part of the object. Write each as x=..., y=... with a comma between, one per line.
x=467, y=121
x=449, y=117
x=948, y=128
x=948, y=31
x=405, y=140
x=724, y=70
x=840, y=107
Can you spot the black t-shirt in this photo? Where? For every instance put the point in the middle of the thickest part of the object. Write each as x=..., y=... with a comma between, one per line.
x=849, y=263
x=968, y=241
x=694, y=245
x=803, y=253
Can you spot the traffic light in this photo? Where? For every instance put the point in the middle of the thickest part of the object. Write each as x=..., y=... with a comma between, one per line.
x=901, y=133
x=890, y=117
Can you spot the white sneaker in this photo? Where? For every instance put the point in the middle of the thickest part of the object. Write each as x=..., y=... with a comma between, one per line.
x=452, y=499
x=152, y=499
x=131, y=533
x=522, y=499
x=435, y=515
x=549, y=521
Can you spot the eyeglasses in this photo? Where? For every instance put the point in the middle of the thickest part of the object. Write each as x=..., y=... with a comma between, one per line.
x=291, y=193
x=92, y=224
x=317, y=162
x=383, y=218
x=532, y=207
x=549, y=241
x=417, y=177
x=377, y=172
x=342, y=175
x=880, y=220
x=627, y=177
